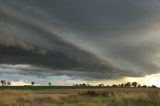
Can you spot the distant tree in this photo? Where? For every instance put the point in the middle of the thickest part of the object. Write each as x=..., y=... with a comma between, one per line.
x=122, y=85
x=8, y=83
x=115, y=86
x=32, y=83
x=153, y=86
x=3, y=82
x=101, y=85
x=49, y=83
x=144, y=86
x=128, y=84
x=134, y=84
x=83, y=85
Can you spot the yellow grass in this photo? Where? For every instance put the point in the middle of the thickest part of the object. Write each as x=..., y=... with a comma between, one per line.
x=80, y=97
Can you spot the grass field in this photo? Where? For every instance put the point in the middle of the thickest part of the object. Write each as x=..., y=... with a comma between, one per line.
x=66, y=96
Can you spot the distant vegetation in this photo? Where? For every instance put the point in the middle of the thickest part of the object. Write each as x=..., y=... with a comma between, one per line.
x=123, y=85
x=4, y=83
x=34, y=86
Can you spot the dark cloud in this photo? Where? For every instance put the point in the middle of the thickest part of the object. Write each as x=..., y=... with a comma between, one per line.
x=23, y=46
x=98, y=39
x=101, y=17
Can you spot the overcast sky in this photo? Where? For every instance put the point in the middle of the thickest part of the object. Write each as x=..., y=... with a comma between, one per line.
x=78, y=39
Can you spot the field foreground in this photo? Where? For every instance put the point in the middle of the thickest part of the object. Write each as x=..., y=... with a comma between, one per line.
x=81, y=97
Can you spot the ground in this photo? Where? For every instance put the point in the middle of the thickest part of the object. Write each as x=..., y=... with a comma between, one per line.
x=80, y=97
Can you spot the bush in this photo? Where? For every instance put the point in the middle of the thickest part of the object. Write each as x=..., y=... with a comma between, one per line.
x=92, y=93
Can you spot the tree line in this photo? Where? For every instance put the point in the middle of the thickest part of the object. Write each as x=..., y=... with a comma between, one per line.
x=122, y=85
x=4, y=83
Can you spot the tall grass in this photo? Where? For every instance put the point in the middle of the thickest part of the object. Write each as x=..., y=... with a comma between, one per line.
x=87, y=98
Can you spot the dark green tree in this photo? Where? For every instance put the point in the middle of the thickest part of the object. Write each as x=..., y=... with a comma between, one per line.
x=32, y=83
x=8, y=83
x=49, y=83
x=3, y=82
x=101, y=85
x=134, y=84
x=122, y=85
x=128, y=84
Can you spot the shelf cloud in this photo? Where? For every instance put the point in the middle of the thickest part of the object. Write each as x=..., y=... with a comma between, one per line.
x=97, y=40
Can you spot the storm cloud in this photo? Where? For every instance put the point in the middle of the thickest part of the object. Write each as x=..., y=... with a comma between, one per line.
x=93, y=39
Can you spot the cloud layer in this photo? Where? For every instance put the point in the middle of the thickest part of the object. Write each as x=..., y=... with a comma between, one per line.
x=98, y=40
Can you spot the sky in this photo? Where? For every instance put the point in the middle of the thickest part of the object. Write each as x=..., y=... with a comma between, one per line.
x=68, y=41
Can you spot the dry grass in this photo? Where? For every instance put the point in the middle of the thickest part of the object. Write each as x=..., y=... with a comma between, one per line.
x=88, y=97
